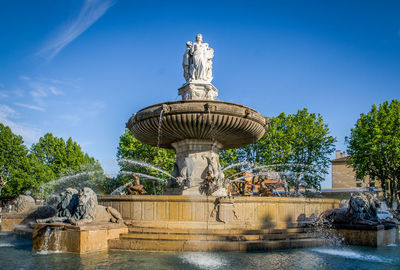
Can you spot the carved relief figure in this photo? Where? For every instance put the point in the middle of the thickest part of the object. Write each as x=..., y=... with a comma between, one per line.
x=181, y=177
x=214, y=183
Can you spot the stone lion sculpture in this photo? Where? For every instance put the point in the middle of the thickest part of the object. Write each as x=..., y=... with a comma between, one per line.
x=362, y=210
x=81, y=207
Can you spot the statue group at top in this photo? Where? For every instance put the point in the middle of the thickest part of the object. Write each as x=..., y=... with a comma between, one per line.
x=197, y=61
x=197, y=70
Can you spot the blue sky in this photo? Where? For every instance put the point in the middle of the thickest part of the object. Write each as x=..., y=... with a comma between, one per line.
x=80, y=68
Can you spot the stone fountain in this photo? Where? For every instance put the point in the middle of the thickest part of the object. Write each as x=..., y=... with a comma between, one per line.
x=197, y=127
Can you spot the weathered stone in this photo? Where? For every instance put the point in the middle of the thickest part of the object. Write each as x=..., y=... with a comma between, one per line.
x=364, y=235
x=76, y=239
x=198, y=91
x=23, y=204
x=194, y=212
x=230, y=124
x=197, y=130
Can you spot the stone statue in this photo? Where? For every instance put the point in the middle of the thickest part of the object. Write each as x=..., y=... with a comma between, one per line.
x=23, y=204
x=197, y=61
x=265, y=189
x=135, y=189
x=68, y=200
x=187, y=62
x=79, y=208
x=362, y=210
x=214, y=183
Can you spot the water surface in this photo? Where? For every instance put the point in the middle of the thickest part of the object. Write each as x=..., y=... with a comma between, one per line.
x=17, y=254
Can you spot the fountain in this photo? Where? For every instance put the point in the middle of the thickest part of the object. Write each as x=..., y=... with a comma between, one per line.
x=197, y=127
x=195, y=213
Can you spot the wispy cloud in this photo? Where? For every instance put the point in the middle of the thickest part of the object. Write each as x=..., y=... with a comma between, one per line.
x=28, y=106
x=71, y=119
x=82, y=113
x=55, y=91
x=12, y=93
x=24, y=78
x=42, y=88
x=8, y=117
x=95, y=108
x=91, y=11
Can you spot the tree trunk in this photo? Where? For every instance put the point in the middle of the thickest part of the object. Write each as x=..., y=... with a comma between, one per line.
x=395, y=193
x=384, y=188
x=390, y=193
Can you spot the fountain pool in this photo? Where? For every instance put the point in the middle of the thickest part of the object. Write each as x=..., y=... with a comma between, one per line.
x=17, y=254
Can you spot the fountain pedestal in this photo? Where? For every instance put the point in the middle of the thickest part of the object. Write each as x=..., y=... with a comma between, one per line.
x=61, y=237
x=198, y=91
x=194, y=158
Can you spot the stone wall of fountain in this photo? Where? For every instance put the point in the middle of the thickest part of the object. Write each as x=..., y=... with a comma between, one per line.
x=186, y=212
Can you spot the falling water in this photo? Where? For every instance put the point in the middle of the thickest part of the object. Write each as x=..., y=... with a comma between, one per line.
x=50, y=234
x=239, y=164
x=142, y=175
x=74, y=181
x=256, y=166
x=159, y=130
x=143, y=164
x=280, y=173
x=46, y=240
x=212, y=129
x=67, y=178
x=56, y=240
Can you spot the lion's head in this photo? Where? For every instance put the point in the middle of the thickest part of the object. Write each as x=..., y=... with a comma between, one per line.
x=66, y=199
x=87, y=203
x=358, y=207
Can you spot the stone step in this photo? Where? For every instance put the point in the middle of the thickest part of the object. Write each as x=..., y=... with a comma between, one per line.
x=193, y=245
x=137, y=229
x=216, y=237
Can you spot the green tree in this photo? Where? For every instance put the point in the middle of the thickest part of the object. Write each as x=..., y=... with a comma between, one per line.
x=70, y=166
x=130, y=148
x=60, y=156
x=298, y=146
x=374, y=147
x=23, y=172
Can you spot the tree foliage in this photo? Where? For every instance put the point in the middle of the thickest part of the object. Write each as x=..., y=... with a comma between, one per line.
x=47, y=162
x=71, y=167
x=23, y=171
x=132, y=149
x=374, y=147
x=296, y=145
x=62, y=157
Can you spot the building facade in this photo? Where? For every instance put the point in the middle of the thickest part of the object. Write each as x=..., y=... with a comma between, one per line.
x=343, y=175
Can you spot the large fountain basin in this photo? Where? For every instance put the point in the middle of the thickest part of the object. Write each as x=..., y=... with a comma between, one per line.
x=232, y=125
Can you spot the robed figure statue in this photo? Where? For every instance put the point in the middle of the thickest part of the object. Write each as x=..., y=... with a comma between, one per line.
x=197, y=61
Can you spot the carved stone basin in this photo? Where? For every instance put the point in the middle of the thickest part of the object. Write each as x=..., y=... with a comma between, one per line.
x=231, y=125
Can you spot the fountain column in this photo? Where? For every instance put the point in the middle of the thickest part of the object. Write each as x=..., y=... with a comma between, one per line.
x=194, y=159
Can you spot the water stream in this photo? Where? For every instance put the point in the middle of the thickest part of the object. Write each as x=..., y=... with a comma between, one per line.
x=144, y=165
